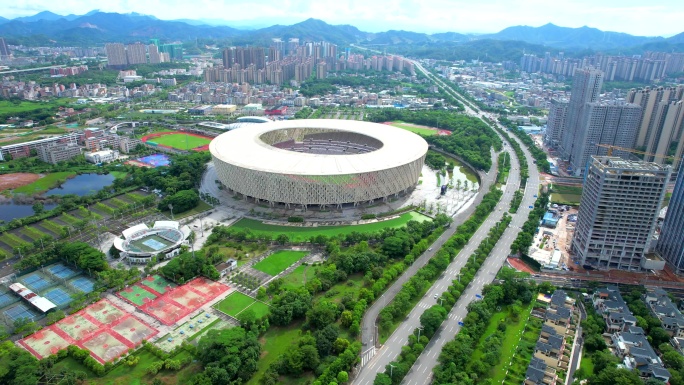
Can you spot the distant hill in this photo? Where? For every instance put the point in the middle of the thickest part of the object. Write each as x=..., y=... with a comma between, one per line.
x=97, y=27
x=571, y=38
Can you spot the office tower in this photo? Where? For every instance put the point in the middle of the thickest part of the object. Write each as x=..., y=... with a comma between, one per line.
x=618, y=211
x=610, y=123
x=155, y=42
x=154, y=54
x=670, y=244
x=174, y=51
x=555, y=125
x=4, y=49
x=135, y=54
x=662, y=121
x=586, y=87
x=116, y=54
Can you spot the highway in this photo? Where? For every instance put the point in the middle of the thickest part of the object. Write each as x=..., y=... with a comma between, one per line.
x=371, y=315
x=421, y=372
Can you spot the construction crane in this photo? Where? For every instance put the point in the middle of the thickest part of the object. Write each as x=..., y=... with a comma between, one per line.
x=610, y=148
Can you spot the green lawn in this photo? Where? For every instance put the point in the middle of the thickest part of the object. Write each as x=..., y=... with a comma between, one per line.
x=279, y=261
x=201, y=207
x=181, y=141
x=416, y=130
x=299, y=276
x=587, y=363
x=260, y=309
x=45, y=183
x=118, y=174
x=298, y=234
x=235, y=303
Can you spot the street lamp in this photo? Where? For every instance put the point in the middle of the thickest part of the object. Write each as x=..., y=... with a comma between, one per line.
x=171, y=208
x=419, y=329
x=391, y=369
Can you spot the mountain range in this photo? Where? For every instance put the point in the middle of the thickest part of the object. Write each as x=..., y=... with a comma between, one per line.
x=98, y=27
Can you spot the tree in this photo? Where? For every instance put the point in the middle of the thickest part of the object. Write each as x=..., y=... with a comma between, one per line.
x=228, y=355
x=658, y=335
x=340, y=345
x=674, y=360
x=322, y=314
x=431, y=319
x=38, y=208
x=615, y=376
x=602, y=360
x=594, y=342
x=181, y=201
x=342, y=377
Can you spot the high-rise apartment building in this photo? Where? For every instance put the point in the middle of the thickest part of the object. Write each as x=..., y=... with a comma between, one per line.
x=154, y=54
x=661, y=128
x=4, y=49
x=116, y=54
x=610, y=123
x=670, y=244
x=618, y=211
x=135, y=53
x=558, y=113
x=586, y=88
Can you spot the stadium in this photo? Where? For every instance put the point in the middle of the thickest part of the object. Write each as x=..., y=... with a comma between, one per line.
x=140, y=243
x=318, y=162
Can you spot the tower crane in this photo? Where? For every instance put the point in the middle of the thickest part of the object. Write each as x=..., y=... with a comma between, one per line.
x=610, y=149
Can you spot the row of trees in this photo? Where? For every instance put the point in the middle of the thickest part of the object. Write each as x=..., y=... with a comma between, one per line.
x=455, y=360
x=188, y=265
x=471, y=138
x=537, y=153
x=229, y=356
x=432, y=318
x=525, y=237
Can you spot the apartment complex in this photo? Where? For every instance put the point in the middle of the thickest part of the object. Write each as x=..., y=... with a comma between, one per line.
x=666, y=311
x=627, y=340
x=55, y=153
x=670, y=244
x=558, y=113
x=116, y=54
x=119, y=55
x=551, y=353
x=21, y=150
x=4, y=49
x=618, y=210
x=661, y=126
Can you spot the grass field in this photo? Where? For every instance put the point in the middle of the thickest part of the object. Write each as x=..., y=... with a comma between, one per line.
x=279, y=261
x=181, y=141
x=298, y=234
x=259, y=309
x=201, y=207
x=275, y=342
x=235, y=303
x=566, y=195
x=45, y=183
x=299, y=276
x=416, y=130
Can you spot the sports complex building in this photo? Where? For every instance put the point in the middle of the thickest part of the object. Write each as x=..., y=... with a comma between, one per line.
x=140, y=243
x=318, y=162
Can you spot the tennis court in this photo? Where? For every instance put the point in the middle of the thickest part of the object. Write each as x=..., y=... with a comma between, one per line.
x=186, y=297
x=61, y=271
x=137, y=295
x=156, y=160
x=134, y=330
x=36, y=281
x=83, y=284
x=158, y=283
x=151, y=243
x=20, y=311
x=58, y=296
x=7, y=298
x=208, y=288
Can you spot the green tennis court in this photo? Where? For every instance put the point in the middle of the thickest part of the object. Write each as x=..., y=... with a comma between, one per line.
x=137, y=295
x=158, y=283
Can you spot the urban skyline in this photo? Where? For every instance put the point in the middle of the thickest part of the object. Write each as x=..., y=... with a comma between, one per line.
x=482, y=17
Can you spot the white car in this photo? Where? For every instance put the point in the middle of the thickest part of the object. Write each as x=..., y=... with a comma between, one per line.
x=430, y=249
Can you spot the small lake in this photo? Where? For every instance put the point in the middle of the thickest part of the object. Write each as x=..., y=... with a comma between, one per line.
x=9, y=211
x=83, y=184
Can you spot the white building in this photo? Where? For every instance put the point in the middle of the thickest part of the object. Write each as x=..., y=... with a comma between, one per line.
x=104, y=156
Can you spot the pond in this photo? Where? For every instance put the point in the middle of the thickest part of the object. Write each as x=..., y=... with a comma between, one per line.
x=11, y=210
x=461, y=172
x=83, y=184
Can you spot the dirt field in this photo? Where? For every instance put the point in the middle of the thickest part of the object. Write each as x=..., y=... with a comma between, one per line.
x=12, y=181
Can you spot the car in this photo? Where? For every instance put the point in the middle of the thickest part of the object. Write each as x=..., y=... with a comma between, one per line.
x=436, y=295
x=430, y=249
x=531, y=207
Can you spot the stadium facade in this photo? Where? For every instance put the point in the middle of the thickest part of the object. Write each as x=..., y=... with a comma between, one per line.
x=140, y=243
x=318, y=162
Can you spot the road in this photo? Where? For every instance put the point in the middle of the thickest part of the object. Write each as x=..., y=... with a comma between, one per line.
x=371, y=315
x=577, y=347
x=421, y=372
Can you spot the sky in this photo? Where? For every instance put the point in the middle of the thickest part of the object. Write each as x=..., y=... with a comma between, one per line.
x=636, y=17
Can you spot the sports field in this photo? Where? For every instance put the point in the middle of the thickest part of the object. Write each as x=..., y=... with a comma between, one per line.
x=235, y=303
x=137, y=295
x=298, y=234
x=279, y=261
x=181, y=141
x=158, y=283
x=421, y=130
